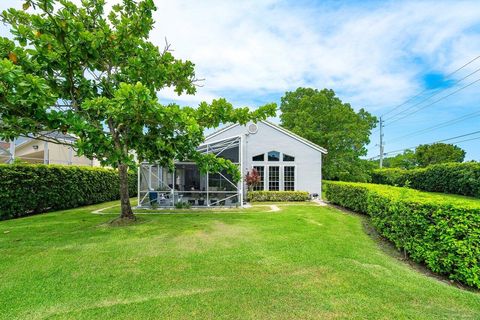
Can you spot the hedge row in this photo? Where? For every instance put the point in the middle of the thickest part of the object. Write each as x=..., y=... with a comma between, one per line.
x=279, y=196
x=454, y=178
x=443, y=232
x=30, y=189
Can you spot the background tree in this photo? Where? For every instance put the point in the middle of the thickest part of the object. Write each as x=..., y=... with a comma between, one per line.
x=321, y=117
x=83, y=71
x=427, y=154
x=405, y=160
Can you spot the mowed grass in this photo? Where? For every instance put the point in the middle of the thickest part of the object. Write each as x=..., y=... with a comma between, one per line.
x=303, y=262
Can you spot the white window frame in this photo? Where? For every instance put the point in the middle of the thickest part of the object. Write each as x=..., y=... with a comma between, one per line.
x=280, y=156
x=284, y=154
x=264, y=173
x=281, y=164
x=267, y=188
x=259, y=161
x=294, y=177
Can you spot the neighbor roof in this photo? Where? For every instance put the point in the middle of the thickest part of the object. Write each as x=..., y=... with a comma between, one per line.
x=67, y=138
x=278, y=128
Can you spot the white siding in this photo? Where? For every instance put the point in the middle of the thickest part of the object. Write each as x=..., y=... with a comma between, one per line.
x=308, y=161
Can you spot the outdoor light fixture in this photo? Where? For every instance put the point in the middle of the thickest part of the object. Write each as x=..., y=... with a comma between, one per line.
x=35, y=147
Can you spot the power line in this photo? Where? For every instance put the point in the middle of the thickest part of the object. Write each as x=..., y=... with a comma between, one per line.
x=403, y=114
x=399, y=151
x=438, y=141
x=423, y=91
x=461, y=136
x=438, y=91
x=440, y=125
x=471, y=139
x=448, y=139
x=436, y=101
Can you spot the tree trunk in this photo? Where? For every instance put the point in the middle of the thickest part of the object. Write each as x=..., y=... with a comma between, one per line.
x=127, y=212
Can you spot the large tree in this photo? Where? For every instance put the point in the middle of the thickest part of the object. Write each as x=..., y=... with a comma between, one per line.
x=405, y=160
x=95, y=74
x=427, y=154
x=321, y=117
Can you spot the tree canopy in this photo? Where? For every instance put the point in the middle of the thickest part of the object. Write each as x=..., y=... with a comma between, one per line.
x=425, y=155
x=428, y=154
x=95, y=74
x=405, y=160
x=321, y=117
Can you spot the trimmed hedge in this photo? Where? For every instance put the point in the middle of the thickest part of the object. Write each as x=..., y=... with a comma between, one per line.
x=443, y=232
x=454, y=178
x=31, y=189
x=278, y=196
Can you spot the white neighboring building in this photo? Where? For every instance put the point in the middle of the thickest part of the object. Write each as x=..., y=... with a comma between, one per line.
x=285, y=161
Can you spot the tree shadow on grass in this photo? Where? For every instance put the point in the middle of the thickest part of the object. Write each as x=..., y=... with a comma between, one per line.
x=122, y=222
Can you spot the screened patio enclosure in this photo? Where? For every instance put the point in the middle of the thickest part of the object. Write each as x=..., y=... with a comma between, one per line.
x=161, y=187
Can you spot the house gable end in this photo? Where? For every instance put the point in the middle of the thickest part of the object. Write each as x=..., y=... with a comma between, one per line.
x=236, y=129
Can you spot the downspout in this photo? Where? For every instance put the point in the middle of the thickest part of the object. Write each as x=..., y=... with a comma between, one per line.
x=138, y=185
x=46, y=156
x=241, y=170
x=12, y=150
x=321, y=182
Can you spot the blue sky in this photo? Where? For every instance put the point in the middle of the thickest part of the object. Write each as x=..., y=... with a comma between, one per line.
x=374, y=54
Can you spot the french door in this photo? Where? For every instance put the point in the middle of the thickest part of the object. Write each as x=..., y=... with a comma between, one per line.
x=273, y=178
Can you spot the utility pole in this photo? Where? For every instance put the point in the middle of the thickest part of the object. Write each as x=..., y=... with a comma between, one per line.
x=381, y=142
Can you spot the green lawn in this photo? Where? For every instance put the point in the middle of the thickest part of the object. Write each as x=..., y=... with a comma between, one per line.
x=303, y=262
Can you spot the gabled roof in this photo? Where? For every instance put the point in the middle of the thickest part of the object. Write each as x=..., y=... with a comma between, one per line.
x=278, y=128
x=55, y=136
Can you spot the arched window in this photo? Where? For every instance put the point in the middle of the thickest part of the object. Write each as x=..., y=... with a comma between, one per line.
x=274, y=156
x=259, y=157
x=286, y=157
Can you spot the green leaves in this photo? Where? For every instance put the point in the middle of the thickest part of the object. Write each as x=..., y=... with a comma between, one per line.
x=437, y=153
x=106, y=75
x=321, y=117
x=221, y=111
x=24, y=101
x=277, y=196
x=52, y=187
x=454, y=178
x=441, y=231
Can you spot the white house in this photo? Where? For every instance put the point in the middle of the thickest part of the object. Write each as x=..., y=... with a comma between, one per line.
x=285, y=161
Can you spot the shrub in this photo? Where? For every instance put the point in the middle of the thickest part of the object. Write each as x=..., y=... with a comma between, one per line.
x=443, y=232
x=183, y=205
x=454, y=178
x=30, y=189
x=279, y=196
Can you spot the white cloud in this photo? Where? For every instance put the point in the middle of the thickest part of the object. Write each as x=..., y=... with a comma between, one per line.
x=362, y=53
x=373, y=54
x=251, y=49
